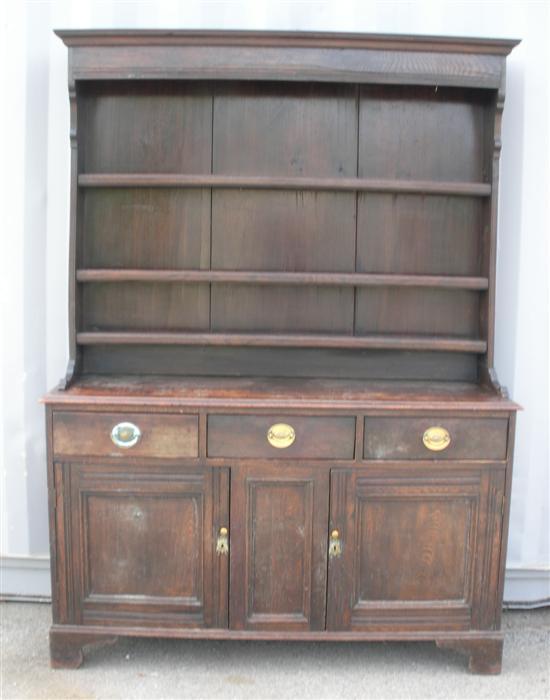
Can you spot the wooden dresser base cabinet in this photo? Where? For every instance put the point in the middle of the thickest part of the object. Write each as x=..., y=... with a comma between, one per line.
x=280, y=418
x=272, y=547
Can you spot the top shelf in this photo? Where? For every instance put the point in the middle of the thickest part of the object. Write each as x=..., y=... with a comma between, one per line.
x=346, y=184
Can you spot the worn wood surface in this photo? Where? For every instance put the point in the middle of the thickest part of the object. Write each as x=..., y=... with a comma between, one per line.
x=246, y=436
x=401, y=438
x=152, y=390
x=83, y=433
x=281, y=228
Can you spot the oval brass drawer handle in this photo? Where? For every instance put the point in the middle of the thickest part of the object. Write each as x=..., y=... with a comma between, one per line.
x=125, y=435
x=281, y=435
x=436, y=439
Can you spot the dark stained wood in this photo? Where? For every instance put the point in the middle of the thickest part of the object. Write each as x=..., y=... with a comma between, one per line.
x=283, y=231
x=233, y=392
x=159, y=566
x=278, y=569
x=131, y=127
x=493, y=144
x=240, y=38
x=134, y=306
x=460, y=189
x=287, y=64
x=246, y=436
x=66, y=649
x=409, y=547
x=140, y=228
x=485, y=656
x=299, y=278
x=281, y=228
x=75, y=354
x=401, y=438
x=434, y=312
x=81, y=433
x=312, y=130
x=321, y=636
x=421, y=133
x=403, y=342
x=253, y=313
x=419, y=235
x=109, y=360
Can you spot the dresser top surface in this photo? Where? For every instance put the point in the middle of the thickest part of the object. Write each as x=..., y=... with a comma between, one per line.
x=251, y=392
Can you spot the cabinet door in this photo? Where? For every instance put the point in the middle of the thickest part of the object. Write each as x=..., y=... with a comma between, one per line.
x=414, y=550
x=143, y=544
x=279, y=517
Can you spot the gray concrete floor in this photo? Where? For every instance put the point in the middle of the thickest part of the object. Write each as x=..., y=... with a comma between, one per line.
x=151, y=668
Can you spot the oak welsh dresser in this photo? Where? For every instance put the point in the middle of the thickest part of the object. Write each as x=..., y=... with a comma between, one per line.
x=280, y=418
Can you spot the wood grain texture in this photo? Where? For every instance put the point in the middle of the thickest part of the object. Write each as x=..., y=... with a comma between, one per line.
x=135, y=306
x=336, y=40
x=80, y=433
x=245, y=436
x=424, y=235
x=278, y=567
x=409, y=546
x=259, y=182
x=260, y=339
x=143, y=228
x=267, y=228
x=301, y=64
x=283, y=231
x=336, y=279
x=268, y=315
x=158, y=567
x=434, y=312
x=484, y=656
x=237, y=392
x=421, y=133
x=401, y=438
x=166, y=360
x=142, y=127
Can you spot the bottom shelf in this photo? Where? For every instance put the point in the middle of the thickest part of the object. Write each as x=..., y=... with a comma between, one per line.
x=376, y=342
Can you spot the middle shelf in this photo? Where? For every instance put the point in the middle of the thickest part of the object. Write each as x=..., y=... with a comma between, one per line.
x=357, y=279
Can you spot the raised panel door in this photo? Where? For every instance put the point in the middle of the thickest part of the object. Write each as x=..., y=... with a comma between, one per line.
x=412, y=550
x=279, y=517
x=143, y=544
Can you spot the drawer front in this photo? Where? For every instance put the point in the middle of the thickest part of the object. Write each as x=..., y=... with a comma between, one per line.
x=461, y=438
x=159, y=435
x=310, y=437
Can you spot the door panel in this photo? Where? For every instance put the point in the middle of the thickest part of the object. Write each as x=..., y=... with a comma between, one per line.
x=278, y=547
x=409, y=545
x=144, y=545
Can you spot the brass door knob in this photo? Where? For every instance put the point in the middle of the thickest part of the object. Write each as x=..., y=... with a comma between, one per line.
x=436, y=439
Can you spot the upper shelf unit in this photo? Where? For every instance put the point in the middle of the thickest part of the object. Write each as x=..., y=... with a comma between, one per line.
x=283, y=192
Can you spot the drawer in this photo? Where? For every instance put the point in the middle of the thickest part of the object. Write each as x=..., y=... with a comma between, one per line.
x=461, y=438
x=293, y=437
x=160, y=435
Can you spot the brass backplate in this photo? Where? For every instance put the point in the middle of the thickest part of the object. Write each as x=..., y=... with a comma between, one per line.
x=436, y=438
x=281, y=435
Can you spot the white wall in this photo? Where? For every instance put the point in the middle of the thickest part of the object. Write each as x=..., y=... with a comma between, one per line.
x=35, y=189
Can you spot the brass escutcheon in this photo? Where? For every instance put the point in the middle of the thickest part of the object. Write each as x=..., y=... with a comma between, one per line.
x=222, y=543
x=334, y=545
x=436, y=439
x=281, y=435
